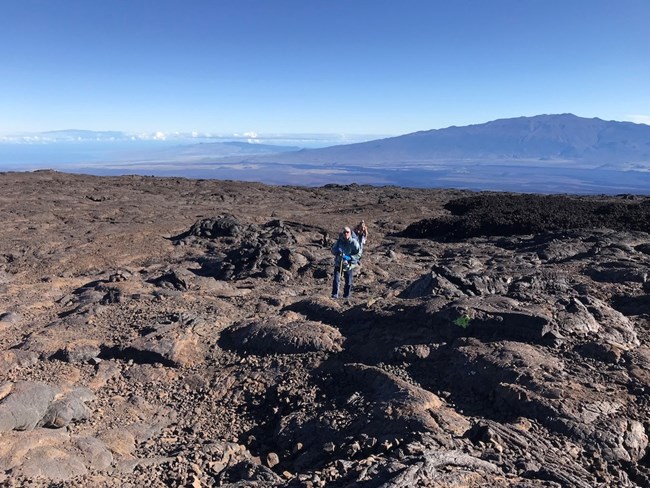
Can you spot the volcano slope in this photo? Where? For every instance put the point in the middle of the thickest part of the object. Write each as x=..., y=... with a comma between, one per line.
x=174, y=332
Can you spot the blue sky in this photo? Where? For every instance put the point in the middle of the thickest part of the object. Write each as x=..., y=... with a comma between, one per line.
x=318, y=66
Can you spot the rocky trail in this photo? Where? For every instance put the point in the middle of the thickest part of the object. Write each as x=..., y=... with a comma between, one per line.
x=176, y=332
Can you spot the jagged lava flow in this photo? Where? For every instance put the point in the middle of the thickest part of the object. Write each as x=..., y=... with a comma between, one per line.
x=177, y=332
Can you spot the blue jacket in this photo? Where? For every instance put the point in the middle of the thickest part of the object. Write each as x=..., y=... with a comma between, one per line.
x=350, y=247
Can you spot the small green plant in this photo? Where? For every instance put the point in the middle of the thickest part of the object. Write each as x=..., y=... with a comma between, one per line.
x=462, y=321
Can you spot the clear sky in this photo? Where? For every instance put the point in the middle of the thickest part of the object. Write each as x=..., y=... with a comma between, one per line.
x=318, y=66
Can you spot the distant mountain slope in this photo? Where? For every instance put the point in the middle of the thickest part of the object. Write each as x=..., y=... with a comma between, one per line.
x=546, y=138
x=215, y=150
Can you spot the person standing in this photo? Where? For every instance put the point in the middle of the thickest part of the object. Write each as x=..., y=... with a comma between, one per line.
x=361, y=231
x=347, y=252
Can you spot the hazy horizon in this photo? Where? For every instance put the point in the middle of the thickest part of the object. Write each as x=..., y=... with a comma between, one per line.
x=251, y=158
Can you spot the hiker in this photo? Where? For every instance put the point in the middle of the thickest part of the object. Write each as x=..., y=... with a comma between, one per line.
x=347, y=251
x=361, y=232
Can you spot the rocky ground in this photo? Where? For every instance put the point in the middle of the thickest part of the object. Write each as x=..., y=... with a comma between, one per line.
x=173, y=332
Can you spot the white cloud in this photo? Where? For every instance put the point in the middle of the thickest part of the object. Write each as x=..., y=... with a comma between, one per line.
x=25, y=139
x=252, y=137
x=639, y=119
x=160, y=136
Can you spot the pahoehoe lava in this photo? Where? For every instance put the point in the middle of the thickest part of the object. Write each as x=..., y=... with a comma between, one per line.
x=178, y=332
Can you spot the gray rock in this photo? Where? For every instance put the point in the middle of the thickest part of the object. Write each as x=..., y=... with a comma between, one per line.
x=432, y=284
x=50, y=463
x=94, y=452
x=26, y=405
x=170, y=344
x=496, y=317
x=33, y=404
x=612, y=325
x=9, y=318
x=619, y=272
x=173, y=280
x=81, y=351
x=17, y=359
x=284, y=337
x=67, y=409
x=444, y=468
x=222, y=226
x=398, y=405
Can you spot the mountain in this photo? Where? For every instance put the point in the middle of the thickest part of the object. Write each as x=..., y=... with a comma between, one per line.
x=542, y=138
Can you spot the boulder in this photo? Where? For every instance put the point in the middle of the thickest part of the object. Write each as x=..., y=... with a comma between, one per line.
x=26, y=405
x=495, y=317
x=318, y=308
x=51, y=455
x=81, y=351
x=17, y=359
x=399, y=407
x=275, y=336
x=619, y=272
x=68, y=408
x=225, y=225
x=9, y=319
x=170, y=344
x=33, y=404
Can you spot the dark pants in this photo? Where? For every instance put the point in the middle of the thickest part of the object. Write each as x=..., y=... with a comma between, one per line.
x=347, y=289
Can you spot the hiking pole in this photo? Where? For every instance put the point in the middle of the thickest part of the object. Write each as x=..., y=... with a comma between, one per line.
x=340, y=272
